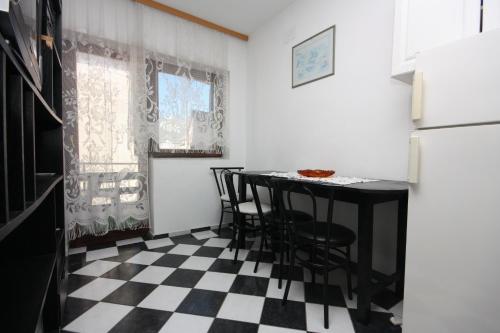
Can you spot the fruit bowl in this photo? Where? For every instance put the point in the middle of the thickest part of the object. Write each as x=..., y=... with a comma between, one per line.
x=317, y=173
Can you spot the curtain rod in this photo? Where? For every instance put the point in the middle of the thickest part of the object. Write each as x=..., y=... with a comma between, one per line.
x=192, y=18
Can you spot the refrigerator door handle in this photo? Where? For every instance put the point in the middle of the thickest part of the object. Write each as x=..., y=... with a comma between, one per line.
x=414, y=159
x=416, y=102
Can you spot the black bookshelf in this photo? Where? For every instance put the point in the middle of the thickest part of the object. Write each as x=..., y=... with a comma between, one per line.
x=32, y=229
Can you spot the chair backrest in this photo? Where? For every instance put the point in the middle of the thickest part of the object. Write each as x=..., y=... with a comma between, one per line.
x=256, y=181
x=286, y=189
x=233, y=198
x=219, y=173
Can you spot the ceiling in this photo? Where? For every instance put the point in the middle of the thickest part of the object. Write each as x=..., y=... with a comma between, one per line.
x=243, y=16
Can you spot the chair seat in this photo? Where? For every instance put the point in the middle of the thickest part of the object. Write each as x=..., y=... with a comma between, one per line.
x=250, y=208
x=339, y=235
x=298, y=216
x=225, y=197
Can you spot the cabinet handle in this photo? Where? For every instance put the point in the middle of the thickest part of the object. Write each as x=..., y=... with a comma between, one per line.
x=414, y=159
x=416, y=101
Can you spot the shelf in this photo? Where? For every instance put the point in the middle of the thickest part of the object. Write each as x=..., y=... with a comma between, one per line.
x=58, y=6
x=58, y=57
x=60, y=251
x=45, y=182
x=8, y=52
x=4, y=193
x=48, y=117
x=29, y=146
x=33, y=278
x=15, y=146
x=24, y=288
x=59, y=238
x=44, y=185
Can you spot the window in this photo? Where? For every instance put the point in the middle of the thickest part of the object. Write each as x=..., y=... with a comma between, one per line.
x=190, y=109
x=180, y=102
x=108, y=163
x=103, y=88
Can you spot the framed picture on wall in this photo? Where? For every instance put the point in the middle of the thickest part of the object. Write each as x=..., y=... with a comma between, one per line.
x=314, y=58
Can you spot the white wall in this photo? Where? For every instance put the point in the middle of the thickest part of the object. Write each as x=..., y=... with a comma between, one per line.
x=183, y=192
x=355, y=122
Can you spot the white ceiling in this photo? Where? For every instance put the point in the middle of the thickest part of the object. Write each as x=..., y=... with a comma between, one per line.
x=243, y=16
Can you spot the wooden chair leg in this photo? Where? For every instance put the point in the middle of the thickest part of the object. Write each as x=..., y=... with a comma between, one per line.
x=348, y=272
x=282, y=246
x=221, y=217
x=262, y=241
x=233, y=239
x=325, y=297
x=265, y=239
x=237, y=246
x=272, y=244
x=289, y=278
x=253, y=226
x=313, y=272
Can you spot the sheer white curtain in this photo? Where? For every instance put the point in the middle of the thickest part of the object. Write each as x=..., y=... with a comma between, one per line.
x=131, y=73
x=187, y=65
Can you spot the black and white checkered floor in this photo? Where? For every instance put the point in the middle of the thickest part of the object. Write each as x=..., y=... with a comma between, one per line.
x=190, y=284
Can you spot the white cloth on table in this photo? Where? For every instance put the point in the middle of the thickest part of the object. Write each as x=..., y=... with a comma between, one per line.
x=337, y=180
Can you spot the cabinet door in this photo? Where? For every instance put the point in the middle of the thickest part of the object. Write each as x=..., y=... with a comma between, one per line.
x=491, y=14
x=424, y=24
x=460, y=82
x=452, y=271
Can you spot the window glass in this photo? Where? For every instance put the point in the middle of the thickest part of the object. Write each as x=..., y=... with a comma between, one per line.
x=103, y=88
x=181, y=102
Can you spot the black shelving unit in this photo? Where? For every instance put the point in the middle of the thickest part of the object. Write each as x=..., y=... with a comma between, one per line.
x=33, y=265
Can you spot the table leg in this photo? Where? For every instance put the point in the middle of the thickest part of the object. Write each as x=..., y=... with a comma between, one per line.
x=242, y=192
x=365, y=253
x=401, y=247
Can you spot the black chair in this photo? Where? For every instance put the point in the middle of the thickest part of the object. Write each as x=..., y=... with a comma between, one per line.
x=273, y=224
x=326, y=245
x=219, y=173
x=242, y=210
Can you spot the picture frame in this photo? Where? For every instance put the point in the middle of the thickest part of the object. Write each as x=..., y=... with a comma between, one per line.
x=314, y=58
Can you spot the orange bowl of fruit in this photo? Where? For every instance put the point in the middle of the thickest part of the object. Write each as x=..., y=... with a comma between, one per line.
x=316, y=173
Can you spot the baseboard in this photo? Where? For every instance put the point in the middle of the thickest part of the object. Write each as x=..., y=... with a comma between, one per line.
x=112, y=236
x=186, y=232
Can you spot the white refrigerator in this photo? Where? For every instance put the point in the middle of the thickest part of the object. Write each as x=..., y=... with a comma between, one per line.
x=452, y=280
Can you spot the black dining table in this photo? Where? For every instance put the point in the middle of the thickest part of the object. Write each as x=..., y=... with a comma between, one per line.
x=365, y=195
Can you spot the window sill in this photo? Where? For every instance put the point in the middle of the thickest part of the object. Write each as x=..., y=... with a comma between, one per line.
x=165, y=154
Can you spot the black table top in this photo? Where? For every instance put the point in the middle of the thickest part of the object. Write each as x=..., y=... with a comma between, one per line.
x=379, y=186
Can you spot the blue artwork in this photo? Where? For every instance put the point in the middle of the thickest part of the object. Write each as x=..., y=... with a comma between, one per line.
x=313, y=59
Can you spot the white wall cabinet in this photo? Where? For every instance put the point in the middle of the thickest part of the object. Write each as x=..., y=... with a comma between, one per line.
x=423, y=24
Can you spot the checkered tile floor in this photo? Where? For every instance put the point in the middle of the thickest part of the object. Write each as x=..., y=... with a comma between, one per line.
x=190, y=284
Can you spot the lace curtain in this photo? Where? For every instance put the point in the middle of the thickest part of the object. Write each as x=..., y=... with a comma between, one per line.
x=124, y=82
x=188, y=103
